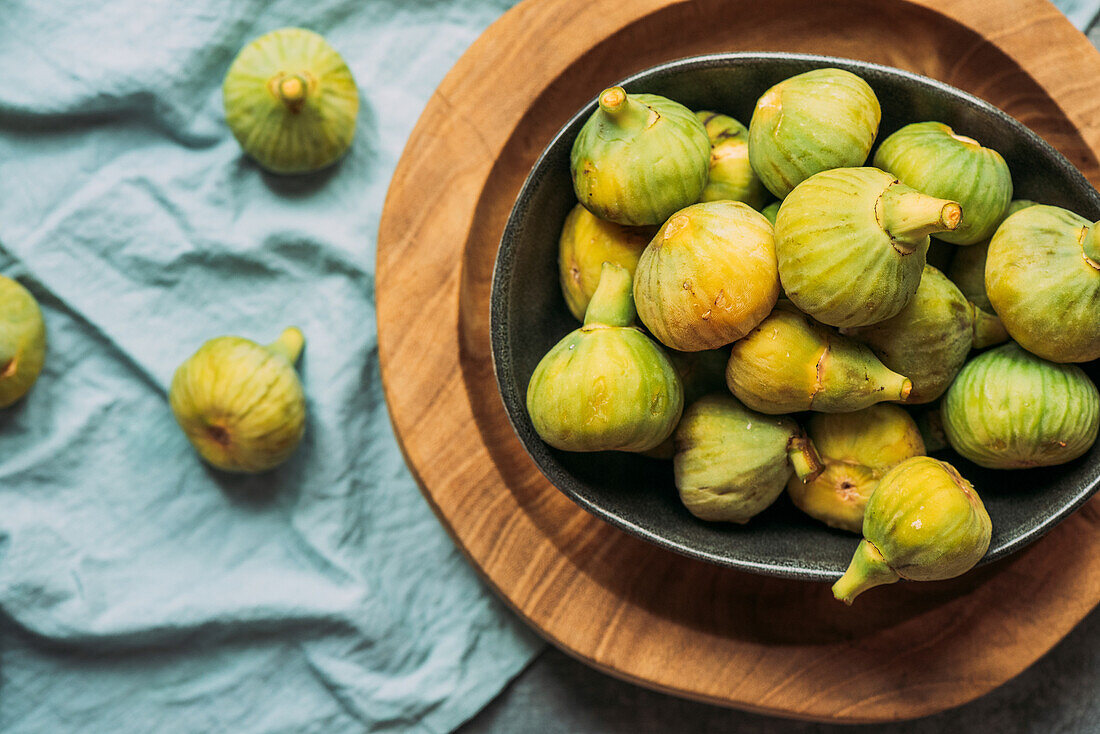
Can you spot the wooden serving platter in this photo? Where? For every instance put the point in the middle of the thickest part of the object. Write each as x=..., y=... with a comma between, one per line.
x=625, y=606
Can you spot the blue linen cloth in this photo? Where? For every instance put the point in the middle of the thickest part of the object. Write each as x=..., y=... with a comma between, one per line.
x=140, y=590
x=144, y=592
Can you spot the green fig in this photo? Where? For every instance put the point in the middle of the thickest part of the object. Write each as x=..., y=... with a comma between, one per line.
x=732, y=463
x=929, y=339
x=700, y=373
x=856, y=449
x=586, y=243
x=731, y=177
x=771, y=211
x=967, y=268
x=924, y=522
x=22, y=341
x=1042, y=276
x=240, y=403
x=851, y=244
x=708, y=277
x=605, y=386
x=790, y=363
x=1009, y=409
x=931, y=157
x=822, y=119
x=639, y=158
x=291, y=101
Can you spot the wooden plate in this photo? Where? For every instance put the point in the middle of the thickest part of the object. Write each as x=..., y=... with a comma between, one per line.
x=616, y=602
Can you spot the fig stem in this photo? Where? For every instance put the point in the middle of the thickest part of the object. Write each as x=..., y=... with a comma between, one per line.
x=804, y=458
x=613, y=302
x=624, y=111
x=867, y=570
x=289, y=344
x=988, y=329
x=909, y=216
x=1091, y=245
x=292, y=91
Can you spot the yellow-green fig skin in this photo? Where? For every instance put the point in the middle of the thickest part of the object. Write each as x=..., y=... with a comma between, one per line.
x=700, y=373
x=812, y=122
x=241, y=403
x=22, y=341
x=931, y=157
x=1042, y=276
x=791, y=363
x=771, y=211
x=1009, y=409
x=852, y=242
x=291, y=101
x=732, y=463
x=639, y=158
x=708, y=277
x=924, y=522
x=731, y=177
x=857, y=449
x=967, y=265
x=586, y=243
x=929, y=339
x=606, y=386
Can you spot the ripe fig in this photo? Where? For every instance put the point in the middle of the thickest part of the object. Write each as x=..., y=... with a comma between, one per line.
x=929, y=339
x=605, y=386
x=22, y=341
x=931, y=157
x=862, y=263
x=967, y=266
x=822, y=119
x=731, y=178
x=924, y=522
x=639, y=158
x=291, y=101
x=700, y=373
x=1042, y=275
x=1009, y=409
x=790, y=363
x=771, y=211
x=732, y=463
x=586, y=243
x=857, y=449
x=708, y=277
x=240, y=403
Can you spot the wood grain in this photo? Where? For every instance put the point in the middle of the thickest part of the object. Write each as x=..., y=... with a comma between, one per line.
x=614, y=601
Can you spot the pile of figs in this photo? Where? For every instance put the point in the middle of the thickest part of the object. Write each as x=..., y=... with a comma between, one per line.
x=787, y=309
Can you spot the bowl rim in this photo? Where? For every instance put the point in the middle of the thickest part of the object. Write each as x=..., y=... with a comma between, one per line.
x=498, y=319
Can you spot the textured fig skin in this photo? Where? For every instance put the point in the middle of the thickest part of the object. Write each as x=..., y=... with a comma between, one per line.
x=240, y=403
x=857, y=450
x=708, y=277
x=1044, y=288
x=291, y=101
x=731, y=463
x=927, y=521
x=791, y=363
x=22, y=341
x=700, y=373
x=822, y=119
x=771, y=211
x=606, y=386
x=924, y=522
x=586, y=243
x=847, y=269
x=967, y=265
x=1009, y=409
x=731, y=178
x=931, y=158
x=639, y=158
x=928, y=340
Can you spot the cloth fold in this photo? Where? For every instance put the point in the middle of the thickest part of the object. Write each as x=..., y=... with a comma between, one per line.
x=141, y=590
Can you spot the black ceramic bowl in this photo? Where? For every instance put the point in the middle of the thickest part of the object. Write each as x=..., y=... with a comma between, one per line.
x=637, y=494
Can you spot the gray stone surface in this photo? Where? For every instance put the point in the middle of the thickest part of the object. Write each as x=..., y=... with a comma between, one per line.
x=1060, y=694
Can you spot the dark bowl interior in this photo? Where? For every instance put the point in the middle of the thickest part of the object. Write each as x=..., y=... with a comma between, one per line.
x=637, y=494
